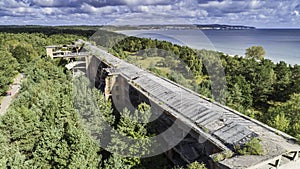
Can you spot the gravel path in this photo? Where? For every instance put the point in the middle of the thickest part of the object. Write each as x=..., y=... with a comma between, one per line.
x=14, y=89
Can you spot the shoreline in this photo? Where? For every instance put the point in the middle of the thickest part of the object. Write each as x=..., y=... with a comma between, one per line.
x=284, y=52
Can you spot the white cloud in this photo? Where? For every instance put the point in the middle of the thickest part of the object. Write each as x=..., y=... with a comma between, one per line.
x=12, y=4
x=145, y=2
x=251, y=12
x=136, y=19
x=261, y=16
x=143, y=8
x=46, y=2
x=48, y=11
x=106, y=10
x=255, y=4
x=152, y=9
x=23, y=10
x=88, y=8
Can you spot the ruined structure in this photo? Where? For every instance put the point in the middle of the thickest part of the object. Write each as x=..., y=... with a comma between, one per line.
x=59, y=51
x=77, y=59
x=215, y=128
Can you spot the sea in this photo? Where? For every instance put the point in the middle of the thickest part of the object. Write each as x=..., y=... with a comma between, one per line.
x=279, y=44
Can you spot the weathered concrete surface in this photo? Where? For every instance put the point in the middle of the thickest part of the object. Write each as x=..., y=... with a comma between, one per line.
x=290, y=164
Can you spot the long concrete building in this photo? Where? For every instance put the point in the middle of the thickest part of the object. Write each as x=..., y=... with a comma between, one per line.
x=215, y=129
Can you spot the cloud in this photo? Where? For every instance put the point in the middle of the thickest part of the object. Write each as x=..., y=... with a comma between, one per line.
x=86, y=8
x=255, y=4
x=12, y=4
x=230, y=6
x=147, y=2
x=54, y=3
x=251, y=12
x=50, y=11
x=296, y=11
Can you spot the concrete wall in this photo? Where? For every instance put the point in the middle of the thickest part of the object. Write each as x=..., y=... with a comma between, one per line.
x=49, y=52
x=94, y=70
x=125, y=95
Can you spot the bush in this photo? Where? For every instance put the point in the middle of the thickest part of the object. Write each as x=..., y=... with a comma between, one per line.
x=222, y=156
x=196, y=165
x=218, y=157
x=253, y=147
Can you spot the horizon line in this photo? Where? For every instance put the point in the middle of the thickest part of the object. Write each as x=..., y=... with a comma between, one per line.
x=136, y=25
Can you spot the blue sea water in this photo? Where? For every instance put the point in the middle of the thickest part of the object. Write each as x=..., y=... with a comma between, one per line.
x=280, y=44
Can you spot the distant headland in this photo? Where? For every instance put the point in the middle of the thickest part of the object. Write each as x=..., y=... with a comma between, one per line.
x=181, y=27
x=139, y=27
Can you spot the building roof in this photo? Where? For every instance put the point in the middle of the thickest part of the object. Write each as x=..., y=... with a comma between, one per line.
x=221, y=125
x=54, y=46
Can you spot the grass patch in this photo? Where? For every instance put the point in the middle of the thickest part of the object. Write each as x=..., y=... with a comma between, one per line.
x=149, y=62
x=144, y=62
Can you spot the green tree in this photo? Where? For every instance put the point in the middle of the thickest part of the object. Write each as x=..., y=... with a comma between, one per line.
x=279, y=122
x=132, y=125
x=286, y=113
x=262, y=83
x=177, y=77
x=239, y=93
x=8, y=70
x=24, y=53
x=116, y=162
x=295, y=79
x=256, y=52
x=42, y=128
x=196, y=165
x=282, y=85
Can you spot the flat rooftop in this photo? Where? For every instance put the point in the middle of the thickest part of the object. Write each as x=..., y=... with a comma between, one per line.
x=71, y=55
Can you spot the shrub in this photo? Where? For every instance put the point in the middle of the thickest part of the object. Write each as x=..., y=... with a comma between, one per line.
x=253, y=147
x=196, y=165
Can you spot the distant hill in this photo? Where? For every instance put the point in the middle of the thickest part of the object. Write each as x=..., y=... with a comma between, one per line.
x=181, y=27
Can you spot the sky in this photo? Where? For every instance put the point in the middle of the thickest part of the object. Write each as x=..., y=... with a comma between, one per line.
x=258, y=13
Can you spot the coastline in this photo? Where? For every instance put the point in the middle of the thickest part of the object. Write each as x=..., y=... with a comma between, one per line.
x=280, y=44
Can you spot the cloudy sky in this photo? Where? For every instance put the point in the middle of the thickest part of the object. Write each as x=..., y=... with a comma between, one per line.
x=259, y=13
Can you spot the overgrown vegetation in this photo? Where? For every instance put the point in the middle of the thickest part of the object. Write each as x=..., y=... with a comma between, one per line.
x=194, y=165
x=256, y=86
x=41, y=128
x=222, y=156
x=44, y=129
x=253, y=147
x=8, y=70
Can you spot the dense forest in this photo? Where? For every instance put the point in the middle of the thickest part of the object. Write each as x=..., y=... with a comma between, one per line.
x=45, y=129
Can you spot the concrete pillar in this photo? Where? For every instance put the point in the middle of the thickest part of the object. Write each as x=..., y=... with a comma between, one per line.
x=277, y=163
x=169, y=155
x=107, y=89
x=110, y=81
x=49, y=52
x=296, y=156
x=87, y=63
